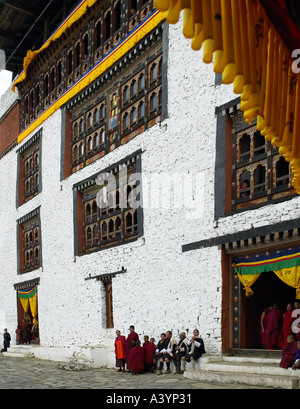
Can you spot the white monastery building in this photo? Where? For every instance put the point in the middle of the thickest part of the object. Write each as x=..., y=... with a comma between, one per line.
x=131, y=189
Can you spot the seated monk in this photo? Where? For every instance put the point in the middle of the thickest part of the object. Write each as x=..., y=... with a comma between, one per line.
x=137, y=359
x=296, y=364
x=289, y=352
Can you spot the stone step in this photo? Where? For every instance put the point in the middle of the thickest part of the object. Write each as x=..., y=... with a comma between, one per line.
x=19, y=351
x=259, y=353
x=223, y=377
x=251, y=359
x=249, y=368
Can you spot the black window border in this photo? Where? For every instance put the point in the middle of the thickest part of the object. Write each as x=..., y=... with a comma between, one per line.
x=36, y=137
x=222, y=114
x=140, y=213
x=20, y=252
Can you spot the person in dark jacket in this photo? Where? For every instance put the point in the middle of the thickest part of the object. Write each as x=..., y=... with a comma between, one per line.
x=6, y=340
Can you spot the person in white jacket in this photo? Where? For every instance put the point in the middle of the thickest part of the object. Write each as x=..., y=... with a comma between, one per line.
x=180, y=351
x=195, y=349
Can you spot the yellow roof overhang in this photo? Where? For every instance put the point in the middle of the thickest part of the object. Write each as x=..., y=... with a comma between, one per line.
x=239, y=39
x=75, y=15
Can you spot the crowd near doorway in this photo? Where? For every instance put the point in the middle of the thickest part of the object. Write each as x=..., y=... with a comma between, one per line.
x=267, y=291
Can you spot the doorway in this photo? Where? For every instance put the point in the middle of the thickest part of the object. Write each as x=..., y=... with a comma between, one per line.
x=267, y=290
x=27, y=321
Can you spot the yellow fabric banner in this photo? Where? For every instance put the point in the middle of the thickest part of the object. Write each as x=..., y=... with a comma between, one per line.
x=248, y=281
x=25, y=304
x=291, y=277
x=34, y=308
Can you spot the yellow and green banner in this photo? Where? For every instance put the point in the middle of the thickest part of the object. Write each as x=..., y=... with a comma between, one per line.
x=28, y=299
x=284, y=263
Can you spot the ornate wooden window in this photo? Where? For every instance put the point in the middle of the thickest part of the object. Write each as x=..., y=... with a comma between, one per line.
x=141, y=100
x=69, y=67
x=259, y=172
x=88, y=137
x=29, y=244
x=255, y=173
x=59, y=78
x=131, y=106
x=97, y=40
x=109, y=25
x=249, y=171
x=29, y=173
x=105, y=216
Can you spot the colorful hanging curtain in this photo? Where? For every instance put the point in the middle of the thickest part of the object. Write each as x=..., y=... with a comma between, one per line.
x=291, y=277
x=262, y=263
x=285, y=264
x=244, y=46
x=28, y=299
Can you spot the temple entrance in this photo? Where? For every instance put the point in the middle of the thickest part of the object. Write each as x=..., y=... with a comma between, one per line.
x=267, y=290
x=27, y=308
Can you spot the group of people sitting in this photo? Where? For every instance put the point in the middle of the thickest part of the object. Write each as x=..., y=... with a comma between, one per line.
x=291, y=353
x=139, y=358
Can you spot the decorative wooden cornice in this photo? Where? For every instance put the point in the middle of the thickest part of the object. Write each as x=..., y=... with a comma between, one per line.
x=278, y=235
x=27, y=284
x=106, y=277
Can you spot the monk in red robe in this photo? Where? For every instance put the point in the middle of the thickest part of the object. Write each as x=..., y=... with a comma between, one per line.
x=136, y=359
x=289, y=352
x=287, y=326
x=130, y=343
x=263, y=326
x=120, y=351
x=273, y=328
x=150, y=349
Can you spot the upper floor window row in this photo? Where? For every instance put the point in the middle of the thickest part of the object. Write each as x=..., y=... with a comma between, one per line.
x=126, y=109
x=111, y=25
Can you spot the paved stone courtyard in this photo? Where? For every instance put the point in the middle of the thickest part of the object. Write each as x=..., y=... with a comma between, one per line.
x=31, y=373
